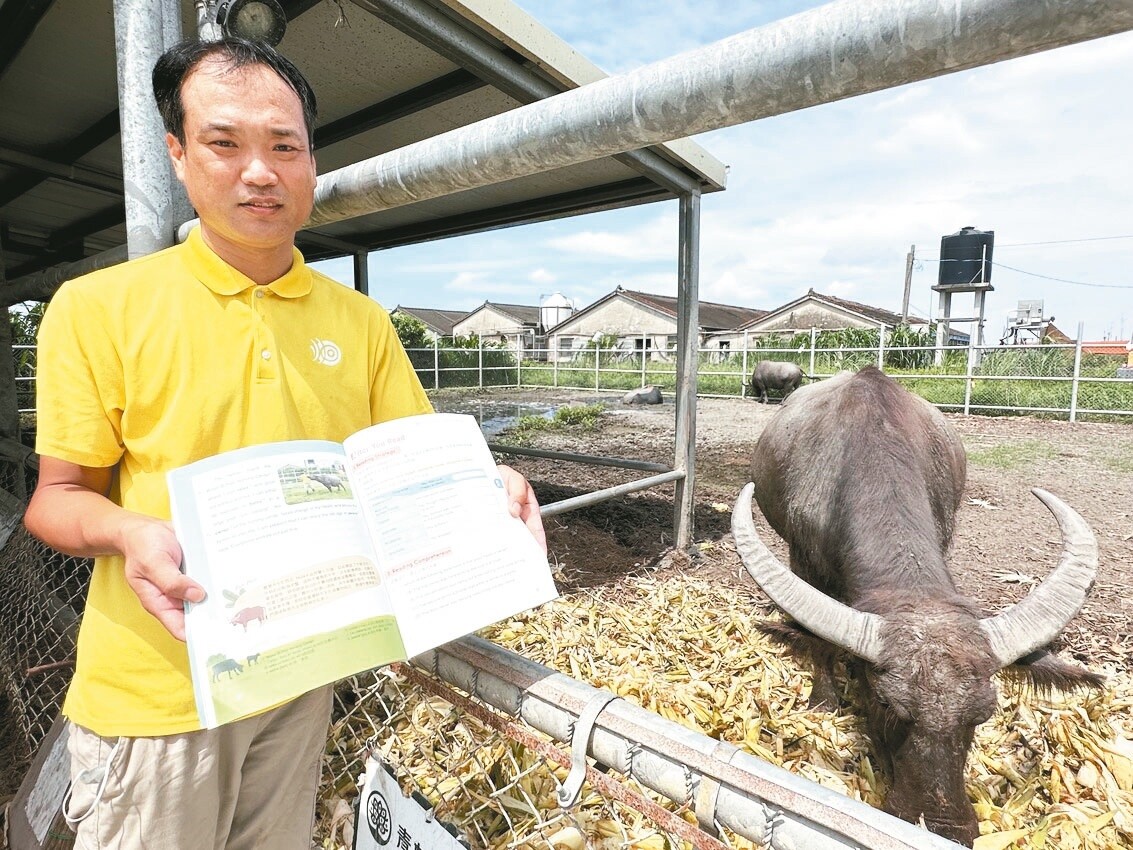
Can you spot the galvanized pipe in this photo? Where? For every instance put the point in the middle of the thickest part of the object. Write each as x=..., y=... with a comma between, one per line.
x=41, y=285
x=444, y=35
x=587, y=499
x=843, y=49
x=688, y=355
x=762, y=802
x=141, y=34
x=592, y=460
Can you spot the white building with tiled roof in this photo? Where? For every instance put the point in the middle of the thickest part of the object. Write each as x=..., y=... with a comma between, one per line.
x=821, y=312
x=640, y=321
x=514, y=325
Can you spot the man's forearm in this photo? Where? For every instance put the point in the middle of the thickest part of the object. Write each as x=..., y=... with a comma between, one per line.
x=78, y=521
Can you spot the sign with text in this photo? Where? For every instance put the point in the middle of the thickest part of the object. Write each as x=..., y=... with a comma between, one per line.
x=389, y=820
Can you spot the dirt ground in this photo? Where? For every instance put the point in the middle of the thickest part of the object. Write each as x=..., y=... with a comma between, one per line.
x=1006, y=540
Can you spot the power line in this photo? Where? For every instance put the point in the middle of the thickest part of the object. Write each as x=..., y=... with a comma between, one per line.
x=1063, y=241
x=1036, y=274
x=1064, y=280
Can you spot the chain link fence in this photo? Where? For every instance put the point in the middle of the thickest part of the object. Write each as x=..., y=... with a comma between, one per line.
x=493, y=780
x=43, y=598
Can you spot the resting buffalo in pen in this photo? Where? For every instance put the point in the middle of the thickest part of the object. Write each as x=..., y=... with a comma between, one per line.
x=862, y=480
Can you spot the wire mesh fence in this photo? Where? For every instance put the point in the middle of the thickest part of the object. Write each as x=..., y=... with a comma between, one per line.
x=495, y=781
x=43, y=598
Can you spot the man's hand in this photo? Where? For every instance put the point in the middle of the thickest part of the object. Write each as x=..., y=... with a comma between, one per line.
x=523, y=504
x=153, y=571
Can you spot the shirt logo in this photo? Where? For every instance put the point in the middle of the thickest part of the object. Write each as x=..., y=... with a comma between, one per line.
x=326, y=352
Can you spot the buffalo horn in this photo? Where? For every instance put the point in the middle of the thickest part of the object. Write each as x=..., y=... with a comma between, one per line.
x=1036, y=620
x=839, y=624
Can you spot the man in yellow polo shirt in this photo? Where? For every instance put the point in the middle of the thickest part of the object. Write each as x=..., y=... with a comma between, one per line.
x=226, y=341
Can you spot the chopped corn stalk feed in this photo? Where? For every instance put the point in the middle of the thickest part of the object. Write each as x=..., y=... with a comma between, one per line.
x=1043, y=773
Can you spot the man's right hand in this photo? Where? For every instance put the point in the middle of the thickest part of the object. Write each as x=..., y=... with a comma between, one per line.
x=70, y=512
x=153, y=571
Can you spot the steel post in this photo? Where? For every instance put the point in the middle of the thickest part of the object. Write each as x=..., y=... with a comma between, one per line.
x=154, y=205
x=688, y=355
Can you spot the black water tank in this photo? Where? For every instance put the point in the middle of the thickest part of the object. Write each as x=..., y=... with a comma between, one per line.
x=965, y=258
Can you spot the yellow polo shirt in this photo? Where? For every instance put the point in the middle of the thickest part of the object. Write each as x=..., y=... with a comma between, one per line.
x=172, y=358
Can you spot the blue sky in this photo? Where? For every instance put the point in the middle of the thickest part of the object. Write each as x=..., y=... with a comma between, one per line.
x=1037, y=149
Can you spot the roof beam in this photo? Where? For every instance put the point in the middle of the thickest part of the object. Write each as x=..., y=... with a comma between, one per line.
x=626, y=193
x=328, y=243
x=820, y=56
x=292, y=9
x=59, y=240
x=66, y=243
x=401, y=105
x=465, y=48
x=101, y=131
x=77, y=175
x=17, y=22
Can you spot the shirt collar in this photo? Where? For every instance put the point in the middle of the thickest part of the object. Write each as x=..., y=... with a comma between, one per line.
x=223, y=279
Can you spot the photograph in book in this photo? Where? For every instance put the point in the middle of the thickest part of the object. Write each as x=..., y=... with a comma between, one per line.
x=321, y=559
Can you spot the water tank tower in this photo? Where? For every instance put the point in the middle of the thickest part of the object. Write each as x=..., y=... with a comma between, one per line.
x=965, y=259
x=554, y=309
x=965, y=266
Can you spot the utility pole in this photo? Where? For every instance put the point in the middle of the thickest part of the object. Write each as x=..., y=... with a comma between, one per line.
x=908, y=283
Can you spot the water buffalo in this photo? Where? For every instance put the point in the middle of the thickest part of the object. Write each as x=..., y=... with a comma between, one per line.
x=775, y=375
x=229, y=665
x=331, y=482
x=862, y=479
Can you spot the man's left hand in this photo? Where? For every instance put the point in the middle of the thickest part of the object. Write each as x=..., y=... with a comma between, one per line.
x=523, y=504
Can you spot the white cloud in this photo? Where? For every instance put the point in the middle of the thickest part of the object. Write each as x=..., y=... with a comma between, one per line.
x=648, y=242
x=468, y=281
x=541, y=275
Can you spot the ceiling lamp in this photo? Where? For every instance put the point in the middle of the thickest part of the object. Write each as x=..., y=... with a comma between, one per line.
x=255, y=20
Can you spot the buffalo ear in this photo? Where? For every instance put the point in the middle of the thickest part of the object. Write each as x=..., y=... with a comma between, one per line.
x=1046, y=672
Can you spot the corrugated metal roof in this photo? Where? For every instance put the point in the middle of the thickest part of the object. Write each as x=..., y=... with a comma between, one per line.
x=379, y=88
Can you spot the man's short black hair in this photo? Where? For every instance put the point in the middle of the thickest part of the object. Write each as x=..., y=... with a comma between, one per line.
x=179, y=61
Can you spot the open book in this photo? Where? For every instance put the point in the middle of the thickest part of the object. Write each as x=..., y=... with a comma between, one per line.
x=322, y=560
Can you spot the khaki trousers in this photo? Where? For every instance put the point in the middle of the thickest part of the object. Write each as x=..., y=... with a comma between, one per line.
x=249, y=784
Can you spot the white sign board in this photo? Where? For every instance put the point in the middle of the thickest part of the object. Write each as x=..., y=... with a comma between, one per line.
x=388, y=820
x=47, y=793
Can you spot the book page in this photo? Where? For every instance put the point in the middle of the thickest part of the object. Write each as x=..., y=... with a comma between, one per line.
x=453, y=558
x=295, y=600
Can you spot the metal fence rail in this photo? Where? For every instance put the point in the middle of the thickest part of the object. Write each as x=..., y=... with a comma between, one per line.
x=1056, y=379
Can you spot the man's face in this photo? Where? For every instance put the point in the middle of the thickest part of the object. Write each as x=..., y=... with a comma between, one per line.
x=246, y=163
